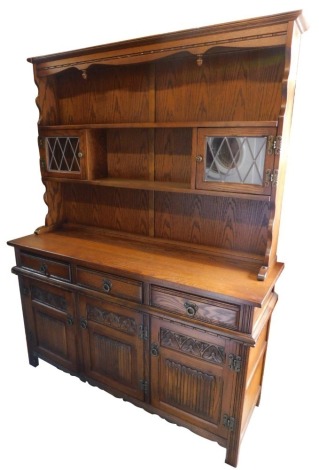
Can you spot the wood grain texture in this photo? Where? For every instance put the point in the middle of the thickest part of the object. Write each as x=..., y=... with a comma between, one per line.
x=172, y=266
x=47, y=101
x=107, y=95
x=221, y=222
x=123, y=210
x=128, y=153
x=54, y=200
x=173, y=151
x=205, y=310
x=239, y=86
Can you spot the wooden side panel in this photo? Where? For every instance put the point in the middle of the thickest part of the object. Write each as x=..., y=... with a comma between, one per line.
x=47, y=101
x=125, y=210
x=108, y=94
x=255, y=371
x=53, y=198
x=226, y=87
x=227, y=223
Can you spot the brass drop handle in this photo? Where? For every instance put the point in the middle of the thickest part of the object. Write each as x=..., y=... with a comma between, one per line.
x=191, y=309
x=107, y=286
x=83, y=323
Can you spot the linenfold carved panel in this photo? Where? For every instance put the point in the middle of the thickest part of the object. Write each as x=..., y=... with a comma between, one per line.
x=199, y=393
x=51, y=334
x=112, y=358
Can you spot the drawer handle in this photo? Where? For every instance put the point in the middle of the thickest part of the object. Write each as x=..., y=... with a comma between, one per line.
x=44, y=269
x=191, y=309
x=107, y=285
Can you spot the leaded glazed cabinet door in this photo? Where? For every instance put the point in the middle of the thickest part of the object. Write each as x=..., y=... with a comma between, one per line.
x=237, y=160
x=63, y=154
x=189, y=375
x=113, y=345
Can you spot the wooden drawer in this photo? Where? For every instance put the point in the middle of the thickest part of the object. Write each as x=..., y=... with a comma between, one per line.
x=194, y=307
x=110, y=284
x=46, y=266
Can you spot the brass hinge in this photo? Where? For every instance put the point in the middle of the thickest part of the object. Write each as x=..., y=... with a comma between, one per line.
x=229, y=422
x=143, y=332
x=271, y=177
x=274, y=144
x=143, y=384
x=234, y=362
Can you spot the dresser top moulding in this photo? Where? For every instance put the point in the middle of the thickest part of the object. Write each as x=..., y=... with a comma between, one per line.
x=267, y=31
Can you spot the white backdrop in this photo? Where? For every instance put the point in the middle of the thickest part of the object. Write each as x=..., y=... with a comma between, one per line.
x=49, y=420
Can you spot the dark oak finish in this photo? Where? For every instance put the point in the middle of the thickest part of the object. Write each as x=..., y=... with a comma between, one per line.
x=163, y=160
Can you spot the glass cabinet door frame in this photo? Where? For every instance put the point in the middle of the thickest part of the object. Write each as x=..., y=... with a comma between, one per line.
x=237, y=137
x=71, y=153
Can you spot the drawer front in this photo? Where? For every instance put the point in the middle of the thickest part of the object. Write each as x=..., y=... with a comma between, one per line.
x=46, y=266
x=198, y=308
x=110, y=284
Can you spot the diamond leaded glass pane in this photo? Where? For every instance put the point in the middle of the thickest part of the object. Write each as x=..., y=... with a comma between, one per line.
x=235, y=159
x=62, y=154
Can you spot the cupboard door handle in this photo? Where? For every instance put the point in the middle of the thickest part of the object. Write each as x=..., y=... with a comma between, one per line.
x=83, y=324
x=191, y=309
x=154, y=350
x=107, y=286
x=70, y=321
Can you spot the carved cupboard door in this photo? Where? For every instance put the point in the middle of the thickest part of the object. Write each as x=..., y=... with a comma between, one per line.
x=189, y=375
x=113, y=345
x=50, y=323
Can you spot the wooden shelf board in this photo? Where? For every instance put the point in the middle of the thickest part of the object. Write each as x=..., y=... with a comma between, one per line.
x=162, y=186
x=152, y=125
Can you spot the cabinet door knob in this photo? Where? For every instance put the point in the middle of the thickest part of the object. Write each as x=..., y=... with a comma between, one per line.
x=70, y=321
x=191, y=309
x=80, y=154
x=154, y=350
x=199, y=158
x=83, y=323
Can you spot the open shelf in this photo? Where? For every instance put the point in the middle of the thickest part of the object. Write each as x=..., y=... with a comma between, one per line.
x=158, y=186
x=154, y=125
x=171, y=187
